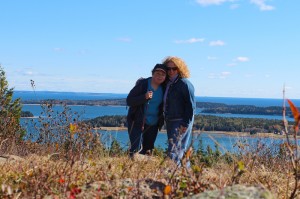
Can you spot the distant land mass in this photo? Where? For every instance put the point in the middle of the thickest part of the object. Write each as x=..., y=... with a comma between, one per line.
x=206, y=107
x=26, y=114
x=44, y=95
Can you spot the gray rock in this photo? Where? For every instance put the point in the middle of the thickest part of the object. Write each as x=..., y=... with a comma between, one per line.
x=9, y=158
x=236, y=192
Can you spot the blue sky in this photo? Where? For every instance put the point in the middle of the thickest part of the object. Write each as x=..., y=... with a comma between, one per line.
x=234, y=48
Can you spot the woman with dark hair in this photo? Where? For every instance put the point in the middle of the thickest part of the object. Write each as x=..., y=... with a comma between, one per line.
x=145, y=114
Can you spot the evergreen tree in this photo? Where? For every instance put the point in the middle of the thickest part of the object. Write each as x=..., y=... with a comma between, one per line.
x=201, y=150
x=10, y=113
x=218, y=153
x=115, y=148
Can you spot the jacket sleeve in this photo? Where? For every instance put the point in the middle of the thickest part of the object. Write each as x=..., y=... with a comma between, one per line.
x=136, y=96
x=190, y=104
x=161, y=118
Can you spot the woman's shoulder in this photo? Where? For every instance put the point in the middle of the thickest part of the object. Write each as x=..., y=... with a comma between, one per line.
x=142, y=80
x=185, y=81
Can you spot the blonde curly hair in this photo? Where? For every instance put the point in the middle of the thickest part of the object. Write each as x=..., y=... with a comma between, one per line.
x=183, y=70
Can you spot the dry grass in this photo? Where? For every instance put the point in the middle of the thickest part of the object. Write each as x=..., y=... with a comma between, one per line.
x=147, y=176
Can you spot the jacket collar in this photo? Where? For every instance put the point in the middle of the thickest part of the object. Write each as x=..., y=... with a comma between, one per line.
x=174, y=79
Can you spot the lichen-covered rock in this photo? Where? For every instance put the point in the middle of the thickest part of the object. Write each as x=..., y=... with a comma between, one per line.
x=125, y=188
x=9, y=158
x=236, y=192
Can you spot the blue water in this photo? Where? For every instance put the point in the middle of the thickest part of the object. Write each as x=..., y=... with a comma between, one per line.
x=263, y=102
x=90, y=112
x=85, y=112
x=225, y=143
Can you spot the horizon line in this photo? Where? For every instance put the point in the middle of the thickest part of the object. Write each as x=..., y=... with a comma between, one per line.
x=127, y=94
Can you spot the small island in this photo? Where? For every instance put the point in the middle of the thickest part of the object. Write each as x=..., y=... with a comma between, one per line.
x=26, y=114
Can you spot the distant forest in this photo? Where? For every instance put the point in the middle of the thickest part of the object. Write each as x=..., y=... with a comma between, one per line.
x=207, y=123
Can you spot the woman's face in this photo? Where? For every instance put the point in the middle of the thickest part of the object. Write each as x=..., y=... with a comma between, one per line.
x=159, y=76
x=172, y=70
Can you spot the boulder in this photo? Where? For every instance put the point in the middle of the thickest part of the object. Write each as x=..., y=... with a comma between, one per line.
x=9, y=158
x=236, y=192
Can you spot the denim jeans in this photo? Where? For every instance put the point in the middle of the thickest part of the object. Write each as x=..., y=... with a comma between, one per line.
x=178, y=143
x=142, y=141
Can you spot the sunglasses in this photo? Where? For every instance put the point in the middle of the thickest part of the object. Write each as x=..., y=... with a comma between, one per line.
x=172, y=68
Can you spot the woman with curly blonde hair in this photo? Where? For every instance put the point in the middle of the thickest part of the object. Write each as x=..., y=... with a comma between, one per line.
x=179, y=107
x=183, y=70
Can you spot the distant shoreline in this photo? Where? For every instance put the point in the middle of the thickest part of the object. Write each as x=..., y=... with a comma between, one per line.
x=233, y=134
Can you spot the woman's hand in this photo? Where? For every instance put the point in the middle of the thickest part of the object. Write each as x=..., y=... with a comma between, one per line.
x=149, y=95
x=182, y=130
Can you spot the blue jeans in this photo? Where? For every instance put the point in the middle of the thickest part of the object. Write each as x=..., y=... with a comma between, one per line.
x=178, y=143
x=142, y=141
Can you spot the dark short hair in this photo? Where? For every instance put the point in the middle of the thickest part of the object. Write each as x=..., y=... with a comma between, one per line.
x=161, y=67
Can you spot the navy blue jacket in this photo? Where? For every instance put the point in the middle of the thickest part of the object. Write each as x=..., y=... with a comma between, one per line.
x=136, y=101
x=180, y=101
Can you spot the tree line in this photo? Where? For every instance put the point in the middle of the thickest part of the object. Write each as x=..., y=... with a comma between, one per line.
x=206, y=123
x=246, y=109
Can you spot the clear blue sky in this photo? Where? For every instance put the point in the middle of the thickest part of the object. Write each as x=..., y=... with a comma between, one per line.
x=234, y=48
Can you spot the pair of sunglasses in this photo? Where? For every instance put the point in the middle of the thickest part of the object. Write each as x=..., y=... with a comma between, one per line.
x=172, y=68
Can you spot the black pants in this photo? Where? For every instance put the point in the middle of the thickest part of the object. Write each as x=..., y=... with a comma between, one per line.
x=142, y=139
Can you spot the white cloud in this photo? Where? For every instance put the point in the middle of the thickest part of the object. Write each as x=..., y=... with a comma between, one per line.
x=217, y=43
x=267, y=75
x=249, y=75
x=82, y=52
x=224, y=74
x=124, y=39
x=221, y=75
x=262, y=5
x=211, y=58
x=189, y=41
x=242, y=59
x=24, y=72
x=58, y=49
x=210, y=2
x=28, y=73
x=72, y=83
x=234, y=6
x=212, y=76
x=238, y=59
x=231, y=64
